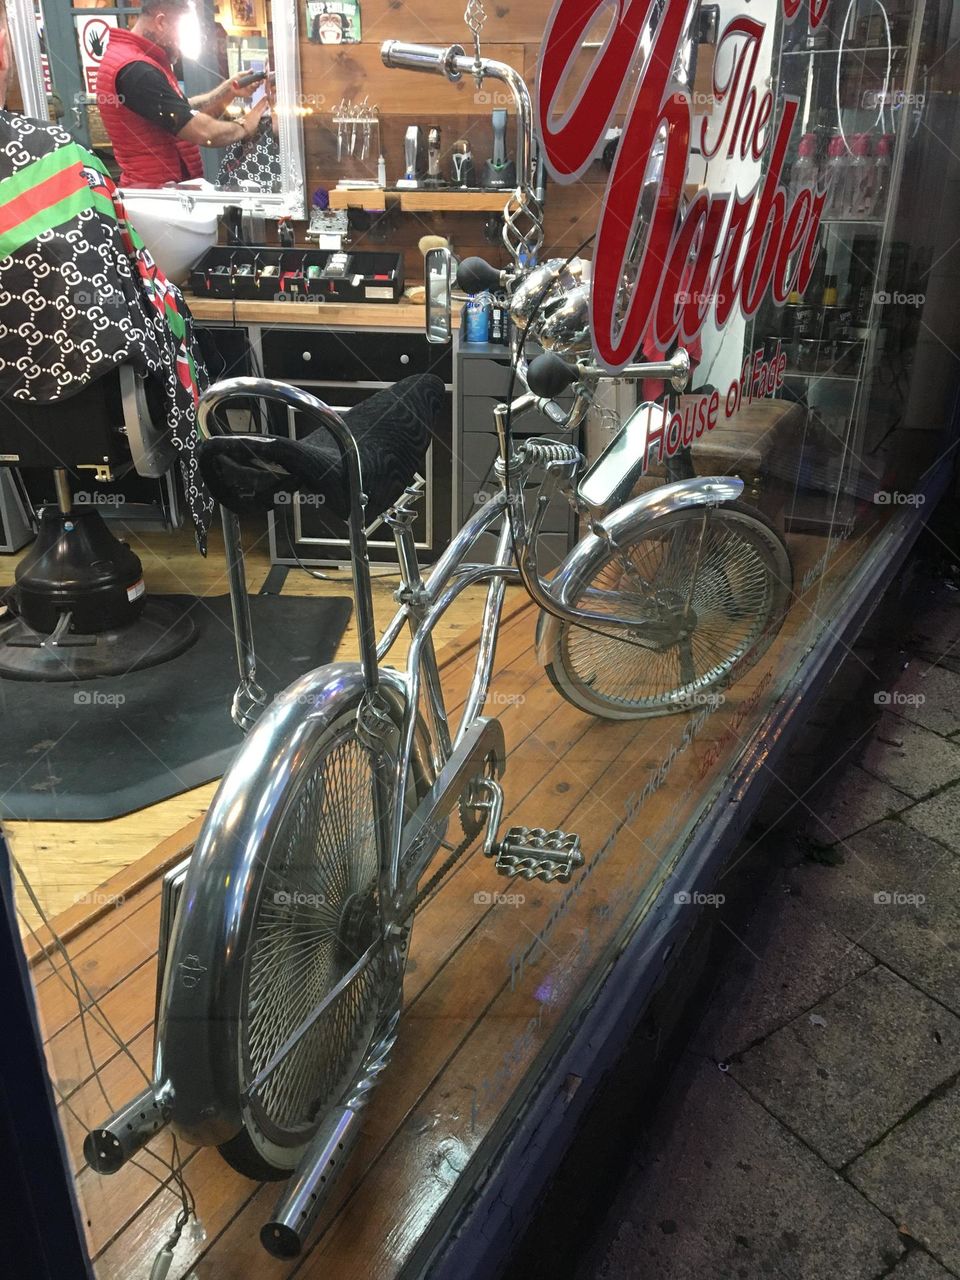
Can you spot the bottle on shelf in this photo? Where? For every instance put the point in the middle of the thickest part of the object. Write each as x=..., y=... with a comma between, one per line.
x=499, y=321
x=804, y=173
x=881, y=168
x=861, y=179
x=478, y=318
x=837, y=171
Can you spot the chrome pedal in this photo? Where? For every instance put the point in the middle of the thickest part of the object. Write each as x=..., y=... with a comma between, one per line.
x=534, y=853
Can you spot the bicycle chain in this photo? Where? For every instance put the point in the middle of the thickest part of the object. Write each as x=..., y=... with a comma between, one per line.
x=438, y=875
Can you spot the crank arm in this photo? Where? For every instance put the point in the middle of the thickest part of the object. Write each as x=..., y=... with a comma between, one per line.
x=424, y=829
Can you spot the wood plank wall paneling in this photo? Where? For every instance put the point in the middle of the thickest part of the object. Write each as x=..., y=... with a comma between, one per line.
x=441, y=21
x=511, y=34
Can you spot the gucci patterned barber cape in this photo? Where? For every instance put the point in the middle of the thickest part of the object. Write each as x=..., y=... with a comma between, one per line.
x=79, y=293
x=252, y=164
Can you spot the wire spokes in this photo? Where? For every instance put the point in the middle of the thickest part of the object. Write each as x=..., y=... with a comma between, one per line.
x=713, y=586
x=318, y=913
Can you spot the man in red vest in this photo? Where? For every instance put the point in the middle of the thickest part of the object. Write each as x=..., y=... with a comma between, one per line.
x=155, y=130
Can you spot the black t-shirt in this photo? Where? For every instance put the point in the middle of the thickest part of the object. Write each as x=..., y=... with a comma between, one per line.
x=147, y=91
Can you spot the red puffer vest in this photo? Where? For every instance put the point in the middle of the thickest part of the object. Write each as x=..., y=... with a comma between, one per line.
x=148, y=156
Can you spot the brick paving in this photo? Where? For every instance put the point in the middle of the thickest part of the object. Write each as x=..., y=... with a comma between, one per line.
x=812, y=1128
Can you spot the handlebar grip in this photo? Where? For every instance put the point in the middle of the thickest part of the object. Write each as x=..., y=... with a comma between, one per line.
x=474, y=275
x=553, y=411
x=549, y=375
x=436, y=59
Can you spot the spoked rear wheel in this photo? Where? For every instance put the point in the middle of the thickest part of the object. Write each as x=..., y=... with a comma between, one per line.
x=722, y=574
x=318, y=913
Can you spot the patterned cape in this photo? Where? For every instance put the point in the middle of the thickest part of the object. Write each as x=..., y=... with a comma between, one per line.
x=253, y=163
x=80, y=294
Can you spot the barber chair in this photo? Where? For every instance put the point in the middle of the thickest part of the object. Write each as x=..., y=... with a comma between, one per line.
x=79, y=606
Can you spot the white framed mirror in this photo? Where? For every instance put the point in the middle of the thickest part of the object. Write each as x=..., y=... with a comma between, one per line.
x=57, y=48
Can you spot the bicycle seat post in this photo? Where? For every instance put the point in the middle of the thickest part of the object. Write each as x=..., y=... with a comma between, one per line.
x=249, y=698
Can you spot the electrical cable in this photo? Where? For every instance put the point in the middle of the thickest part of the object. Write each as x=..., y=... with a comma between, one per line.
x=92, y=1008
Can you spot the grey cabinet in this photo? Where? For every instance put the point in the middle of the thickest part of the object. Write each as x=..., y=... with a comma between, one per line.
x=483, y=382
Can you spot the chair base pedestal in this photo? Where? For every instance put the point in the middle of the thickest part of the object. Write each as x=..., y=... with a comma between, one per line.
x=160, y=633
x=78, y=567
x=82, y=611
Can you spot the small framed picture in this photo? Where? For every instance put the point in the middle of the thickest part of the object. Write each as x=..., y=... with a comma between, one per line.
x=333, y=21
x=245, y=15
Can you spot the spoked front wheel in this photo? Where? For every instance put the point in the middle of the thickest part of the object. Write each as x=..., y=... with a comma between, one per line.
x=715, y=582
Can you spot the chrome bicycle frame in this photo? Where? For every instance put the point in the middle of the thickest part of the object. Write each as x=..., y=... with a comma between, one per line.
x=476, y=748
x=423, y=603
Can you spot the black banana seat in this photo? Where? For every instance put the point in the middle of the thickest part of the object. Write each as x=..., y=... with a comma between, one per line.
x=392, y=429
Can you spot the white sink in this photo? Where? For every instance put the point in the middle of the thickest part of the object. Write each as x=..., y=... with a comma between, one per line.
x=175, y=236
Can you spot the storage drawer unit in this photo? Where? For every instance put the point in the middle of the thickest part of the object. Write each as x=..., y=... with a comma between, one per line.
x=483, y=383
x=478, y=481
x=484, y=375
x=354, y=356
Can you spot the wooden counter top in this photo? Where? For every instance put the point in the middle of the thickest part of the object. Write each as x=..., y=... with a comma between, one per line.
x=353, y=315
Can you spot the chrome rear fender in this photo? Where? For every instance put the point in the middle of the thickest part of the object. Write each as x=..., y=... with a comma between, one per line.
x=196, y=1063
x=622, y=525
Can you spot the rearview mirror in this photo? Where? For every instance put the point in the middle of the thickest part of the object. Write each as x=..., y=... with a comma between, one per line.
x=439, y=264
x=610, y=481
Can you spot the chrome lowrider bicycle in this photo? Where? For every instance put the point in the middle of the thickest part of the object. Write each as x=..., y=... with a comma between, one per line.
x=282, y=971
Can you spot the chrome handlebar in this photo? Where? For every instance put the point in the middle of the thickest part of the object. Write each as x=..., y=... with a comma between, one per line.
x=549, y=374
x=401, y=56
x=676, y=370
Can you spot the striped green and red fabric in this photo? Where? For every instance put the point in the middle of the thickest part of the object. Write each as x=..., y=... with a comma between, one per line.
x=49, y=193
x=83, y=294
x=161, y=294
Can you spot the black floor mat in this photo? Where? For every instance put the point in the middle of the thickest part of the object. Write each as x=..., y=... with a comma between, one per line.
x=98, y=749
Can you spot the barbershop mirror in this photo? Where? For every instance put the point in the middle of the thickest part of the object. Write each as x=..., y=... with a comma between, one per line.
x=59, y=48
x=439, y=282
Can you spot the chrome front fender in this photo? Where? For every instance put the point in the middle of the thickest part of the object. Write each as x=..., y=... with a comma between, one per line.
x=625, y=523
x=197, y=1055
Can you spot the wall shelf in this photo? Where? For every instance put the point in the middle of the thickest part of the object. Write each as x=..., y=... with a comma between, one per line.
x=373, y=198
x=421, y=200
x=439, y=200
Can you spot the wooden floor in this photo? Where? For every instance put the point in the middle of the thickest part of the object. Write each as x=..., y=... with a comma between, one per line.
x=68, y=862
x=488, y=983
